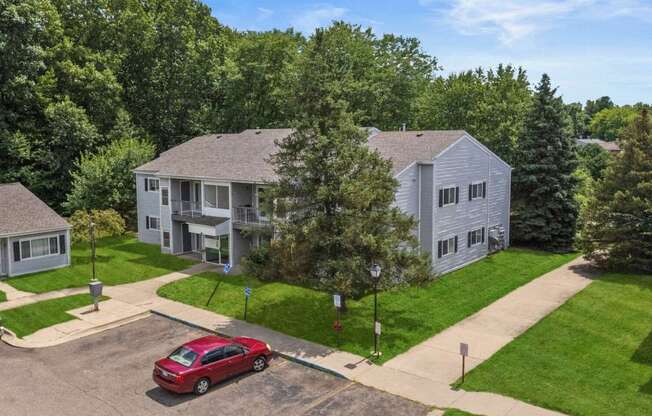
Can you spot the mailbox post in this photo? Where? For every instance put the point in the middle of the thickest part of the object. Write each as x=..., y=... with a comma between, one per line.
x=95, y=287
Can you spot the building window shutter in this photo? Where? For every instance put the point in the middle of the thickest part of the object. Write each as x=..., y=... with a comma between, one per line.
x=439, y=249
x=483, y=234
x=62, y=244
x=146, y=181
x=484, y=189
x=441, y=198
x=147, y=222
x=470, y=192
x=468, y=239
x=456, y=244
x=16, y=251
x=457, y=194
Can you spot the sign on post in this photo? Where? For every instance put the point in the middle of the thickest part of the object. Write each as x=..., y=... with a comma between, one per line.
x=337, y=301
x=227, y=267
x=464, y=352
x=247, y=293
x=377, y=328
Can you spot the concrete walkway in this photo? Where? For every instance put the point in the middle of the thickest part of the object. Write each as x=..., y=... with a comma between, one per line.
x=13, y=293
x=422, y=374
x=493, y=327
x=18, y=301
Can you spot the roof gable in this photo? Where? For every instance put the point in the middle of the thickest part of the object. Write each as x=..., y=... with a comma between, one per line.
x=22, y=212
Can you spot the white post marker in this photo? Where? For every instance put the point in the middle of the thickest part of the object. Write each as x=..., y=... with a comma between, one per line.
x=377, y=328
x=464, y=352
x=337, y=301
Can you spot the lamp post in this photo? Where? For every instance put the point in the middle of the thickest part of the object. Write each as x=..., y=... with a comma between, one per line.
x=375, y=275
x=95, y=286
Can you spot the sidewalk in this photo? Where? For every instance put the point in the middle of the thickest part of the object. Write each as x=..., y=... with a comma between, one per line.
x=493, y=327
x=423, y=373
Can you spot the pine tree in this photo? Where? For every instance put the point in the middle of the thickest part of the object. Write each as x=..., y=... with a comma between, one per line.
x=617, y=223
x=544, y=209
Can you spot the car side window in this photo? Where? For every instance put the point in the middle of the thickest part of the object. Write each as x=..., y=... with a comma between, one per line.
x=232, y=350
x=213, y=356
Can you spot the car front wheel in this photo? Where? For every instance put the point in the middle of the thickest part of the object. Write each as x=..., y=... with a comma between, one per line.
x=259, y=364
x=201, y=386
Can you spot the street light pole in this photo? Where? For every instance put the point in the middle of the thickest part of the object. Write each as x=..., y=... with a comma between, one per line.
x=91, y=227
x=375, y=274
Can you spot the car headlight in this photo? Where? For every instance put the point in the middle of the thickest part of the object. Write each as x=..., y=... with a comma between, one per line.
x=269, y=347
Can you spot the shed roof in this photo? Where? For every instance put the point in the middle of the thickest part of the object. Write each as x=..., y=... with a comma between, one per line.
x=22, y=212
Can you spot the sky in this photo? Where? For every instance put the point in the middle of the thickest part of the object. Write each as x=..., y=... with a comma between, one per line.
x=590, y=48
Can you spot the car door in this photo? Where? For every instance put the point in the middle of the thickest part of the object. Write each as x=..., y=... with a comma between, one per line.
x=215, y=365
x=236, y=357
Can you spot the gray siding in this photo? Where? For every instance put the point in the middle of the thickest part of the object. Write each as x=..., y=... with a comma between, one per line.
x=38, y=264
x=4, y=257
x=407, y=194
x=464, y=163
x=166, y=218
x=240, y=247
x=148, y=204
x=425, y=207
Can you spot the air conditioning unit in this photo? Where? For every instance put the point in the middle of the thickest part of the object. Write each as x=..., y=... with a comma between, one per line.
x=496, y=238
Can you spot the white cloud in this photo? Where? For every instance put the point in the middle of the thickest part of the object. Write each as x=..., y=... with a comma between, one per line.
x=317, y=17
x=264, y=13
x=512, y=20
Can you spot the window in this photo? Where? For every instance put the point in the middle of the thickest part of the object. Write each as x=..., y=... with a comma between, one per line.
x=449, y=196
x=165, y=196
x=152, y=223
x=262, y=201
x=475, y=237
x=166, y=239
x=151, y=185
x=232, y=351
x=477, y=190
x=213, y=356
x=183, y=356
x=446, y=247
x=62, y=244
x=216, y=196
x=37, y=247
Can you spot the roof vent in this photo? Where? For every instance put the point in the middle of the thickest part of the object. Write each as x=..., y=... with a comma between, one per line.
x=257, y=131
x=419, y=134
x=219, y=136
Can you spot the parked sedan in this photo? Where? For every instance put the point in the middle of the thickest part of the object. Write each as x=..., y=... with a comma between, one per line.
x=196, y=365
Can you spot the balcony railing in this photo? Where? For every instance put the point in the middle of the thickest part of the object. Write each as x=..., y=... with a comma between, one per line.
x=249, y=215
x=187, y=208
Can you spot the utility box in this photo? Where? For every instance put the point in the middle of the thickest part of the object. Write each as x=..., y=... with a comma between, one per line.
x=96, y=288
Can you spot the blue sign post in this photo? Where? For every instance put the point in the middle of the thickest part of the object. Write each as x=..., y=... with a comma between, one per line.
x=247, y=293
x=227, y=269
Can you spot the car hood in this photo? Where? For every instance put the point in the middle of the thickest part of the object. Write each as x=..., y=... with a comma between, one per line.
x=251, y=343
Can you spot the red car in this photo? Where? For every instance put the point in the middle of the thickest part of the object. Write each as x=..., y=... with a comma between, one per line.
x=197, y=364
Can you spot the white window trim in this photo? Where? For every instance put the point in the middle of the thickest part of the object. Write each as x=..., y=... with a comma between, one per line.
x=448, y=241
x=150, y=223
x=158, y=186
x=161, y=195
x=479, y=237
x=58, y=253
x=473, y=198
x=444, y=188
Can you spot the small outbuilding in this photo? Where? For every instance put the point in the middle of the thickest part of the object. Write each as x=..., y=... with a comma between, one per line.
x=33, y=237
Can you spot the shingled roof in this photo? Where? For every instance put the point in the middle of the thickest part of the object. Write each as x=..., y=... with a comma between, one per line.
x=244, y=156
x=22, y=212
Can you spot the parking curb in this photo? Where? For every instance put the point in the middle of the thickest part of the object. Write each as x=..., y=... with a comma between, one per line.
x=289, y=357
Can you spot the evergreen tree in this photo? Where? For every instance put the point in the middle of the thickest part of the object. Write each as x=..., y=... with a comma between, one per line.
x=617, y=223
x=544, y=209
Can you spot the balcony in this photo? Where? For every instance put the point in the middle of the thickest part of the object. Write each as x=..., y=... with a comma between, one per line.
x=186, y=208
x=249, y=216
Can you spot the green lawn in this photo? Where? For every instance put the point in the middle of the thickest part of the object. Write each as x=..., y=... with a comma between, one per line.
x=455, y=412
x=119, y=260
x=3, y=297
x=592, y=356
x=409, y=316
x=30, y=318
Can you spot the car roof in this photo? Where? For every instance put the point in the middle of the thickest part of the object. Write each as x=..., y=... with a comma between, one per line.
x=207, y=343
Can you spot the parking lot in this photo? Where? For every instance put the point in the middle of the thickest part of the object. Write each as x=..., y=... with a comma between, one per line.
x=110, y=374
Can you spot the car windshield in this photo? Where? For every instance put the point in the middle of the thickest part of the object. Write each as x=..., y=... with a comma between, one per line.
x=183, y=356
